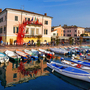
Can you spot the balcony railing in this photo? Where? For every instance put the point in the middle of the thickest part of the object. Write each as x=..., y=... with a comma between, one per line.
x=33, y=35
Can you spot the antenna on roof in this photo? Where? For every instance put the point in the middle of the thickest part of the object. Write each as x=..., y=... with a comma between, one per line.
x=22, y=7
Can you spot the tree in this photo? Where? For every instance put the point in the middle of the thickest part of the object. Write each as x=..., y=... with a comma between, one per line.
x=38, y=41
x=57, y=40
x=81, y=39
x=84, y=35
x=70, y=40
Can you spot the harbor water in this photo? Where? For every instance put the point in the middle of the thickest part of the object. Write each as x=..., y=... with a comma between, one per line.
x=36, y=76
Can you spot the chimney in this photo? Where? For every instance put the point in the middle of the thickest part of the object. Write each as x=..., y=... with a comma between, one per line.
x=0, y=10
x=45, y=14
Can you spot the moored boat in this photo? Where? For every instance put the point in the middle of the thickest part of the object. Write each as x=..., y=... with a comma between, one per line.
x=3, y=58
x=47, y=53
x=40, y=54
x=75, y=64
x=69, y=71
x=59, y=50
x=23, y=55
x=33, y=55
x=87, y=56
x=12, y=55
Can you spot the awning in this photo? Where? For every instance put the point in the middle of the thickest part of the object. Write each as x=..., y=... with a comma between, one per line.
x=60, y=37
x=86, y=37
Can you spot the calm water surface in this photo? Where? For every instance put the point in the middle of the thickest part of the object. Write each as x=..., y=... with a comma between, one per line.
x=34, y=75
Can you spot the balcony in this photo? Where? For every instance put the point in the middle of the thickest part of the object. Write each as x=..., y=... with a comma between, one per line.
x=34, y=35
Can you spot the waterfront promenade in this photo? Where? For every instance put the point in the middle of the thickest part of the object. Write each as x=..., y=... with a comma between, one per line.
x=14, y=47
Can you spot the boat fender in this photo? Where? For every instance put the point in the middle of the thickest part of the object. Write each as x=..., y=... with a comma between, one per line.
x=79, y=65
x=52, y=70
x=43, y=55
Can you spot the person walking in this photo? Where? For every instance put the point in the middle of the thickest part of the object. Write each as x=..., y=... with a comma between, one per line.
x=1, y=42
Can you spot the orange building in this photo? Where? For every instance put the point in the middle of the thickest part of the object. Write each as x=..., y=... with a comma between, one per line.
x=57, y=31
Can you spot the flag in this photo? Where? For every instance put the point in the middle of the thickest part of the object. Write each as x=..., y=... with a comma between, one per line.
x=35, y=19
x=32, y=19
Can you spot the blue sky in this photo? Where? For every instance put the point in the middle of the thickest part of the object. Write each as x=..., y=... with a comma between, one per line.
x=70, y=12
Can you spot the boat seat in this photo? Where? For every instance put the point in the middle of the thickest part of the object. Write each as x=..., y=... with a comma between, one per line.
x=62, y=67
x=55, y=65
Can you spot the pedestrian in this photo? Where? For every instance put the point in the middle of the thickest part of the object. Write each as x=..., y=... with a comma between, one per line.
x=29, y=43
x=1, y=42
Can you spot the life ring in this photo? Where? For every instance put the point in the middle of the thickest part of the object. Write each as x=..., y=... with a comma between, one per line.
x=79, y=65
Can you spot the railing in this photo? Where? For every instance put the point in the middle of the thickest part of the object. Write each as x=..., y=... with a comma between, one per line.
x=34, y=35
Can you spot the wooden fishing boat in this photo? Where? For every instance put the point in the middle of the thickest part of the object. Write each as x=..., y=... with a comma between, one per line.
x=3, y=58
x=40, y=54
x=23, y=55
x=33, y=55
x=69, y=71
x=13, y=56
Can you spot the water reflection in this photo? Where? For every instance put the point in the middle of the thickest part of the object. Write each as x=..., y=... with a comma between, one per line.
x=78, y=83
x=13, y=73
x=20, y=72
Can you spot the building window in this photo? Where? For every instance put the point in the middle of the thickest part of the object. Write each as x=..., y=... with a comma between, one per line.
x=61, y=34
x=16, y=18
x=32, y=31
x=5, y=18
x=1, y=30
x=75, y=30
x=27, y=30
x=46, y=22
x=68, y=34
x=54, y=34
x=45, y=31
x=15, y=75
x=64, y=34
x=4, y=29
x=28, y=19
x=1, y=19
x=75, y=35
x=15, y=29
x=37, y=31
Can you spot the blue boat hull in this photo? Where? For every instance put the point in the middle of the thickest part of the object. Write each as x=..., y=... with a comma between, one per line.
x=70, y=72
